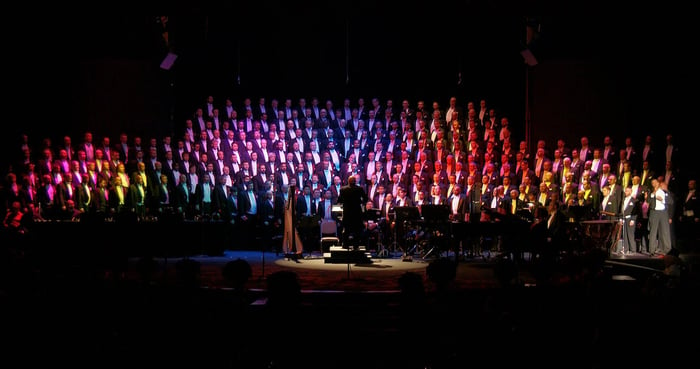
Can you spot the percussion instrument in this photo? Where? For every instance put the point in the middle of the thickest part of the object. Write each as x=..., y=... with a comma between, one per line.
x=599, y=233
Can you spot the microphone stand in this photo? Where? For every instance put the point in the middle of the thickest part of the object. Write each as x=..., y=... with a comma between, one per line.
x=349, y=251
x=274, y=196
x=343, y=237
x=262, y=277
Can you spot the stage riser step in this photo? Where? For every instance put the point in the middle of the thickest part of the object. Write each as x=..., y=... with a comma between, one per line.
x=345, y=257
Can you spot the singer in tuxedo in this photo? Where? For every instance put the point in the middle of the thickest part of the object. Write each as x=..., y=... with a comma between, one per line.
x=554, y=236
x=270, y=219
x=248, y=210
x=631, y=209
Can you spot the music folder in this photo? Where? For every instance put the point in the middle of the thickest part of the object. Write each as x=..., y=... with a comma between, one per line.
x=577, y=212
x=407, y=213
x=373, y=214
x=525, y=214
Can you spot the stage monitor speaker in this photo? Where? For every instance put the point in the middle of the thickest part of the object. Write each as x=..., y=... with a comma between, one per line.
x=529, y=57
x=168, y=62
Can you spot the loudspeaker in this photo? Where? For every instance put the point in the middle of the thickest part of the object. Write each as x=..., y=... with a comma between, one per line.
x=529, y=57
x=168, y=62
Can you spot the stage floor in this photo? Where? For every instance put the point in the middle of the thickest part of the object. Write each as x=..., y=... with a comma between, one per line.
x=382, y=274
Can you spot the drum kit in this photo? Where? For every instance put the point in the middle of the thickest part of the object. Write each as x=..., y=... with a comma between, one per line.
x=405, y=231
x=417, y=240
x=421, y=235
x=420, y=240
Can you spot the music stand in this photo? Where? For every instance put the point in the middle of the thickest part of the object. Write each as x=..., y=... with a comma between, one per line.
x=337, y=214
x=526, y=215
x=373, y=214
x=577, y=213
x=435, y=213
x=337, y=211
x=404, y=213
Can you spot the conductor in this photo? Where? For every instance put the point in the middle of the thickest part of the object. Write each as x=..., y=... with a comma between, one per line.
x=352, y=197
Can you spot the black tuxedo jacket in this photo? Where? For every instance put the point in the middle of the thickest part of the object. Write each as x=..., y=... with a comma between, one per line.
x=301, y=207
x=244, y=203
x=352, y=198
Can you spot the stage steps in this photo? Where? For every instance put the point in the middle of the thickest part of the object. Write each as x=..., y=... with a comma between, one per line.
x=340, y=255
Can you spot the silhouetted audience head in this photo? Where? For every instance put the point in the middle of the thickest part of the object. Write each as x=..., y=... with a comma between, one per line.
x=283, y=289
x=147, y=267
x=674, y=267
x=594, y=261
x=236, y=273
x=506, y=271
x=412, y=288
x=441, y=271
x=187, y=273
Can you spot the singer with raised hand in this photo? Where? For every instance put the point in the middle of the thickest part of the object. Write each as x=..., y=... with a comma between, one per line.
x=352, y=197
x=660, y=201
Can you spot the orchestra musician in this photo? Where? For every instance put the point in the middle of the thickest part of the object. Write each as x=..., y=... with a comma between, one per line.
x=370, y=221
x=388, y=217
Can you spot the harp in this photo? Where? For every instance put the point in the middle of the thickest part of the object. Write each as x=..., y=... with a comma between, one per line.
x=291, y=243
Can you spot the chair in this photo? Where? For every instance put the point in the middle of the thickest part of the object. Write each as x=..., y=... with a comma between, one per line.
x=329, y=234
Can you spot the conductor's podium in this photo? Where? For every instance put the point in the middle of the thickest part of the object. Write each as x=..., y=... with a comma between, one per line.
x=341, y=255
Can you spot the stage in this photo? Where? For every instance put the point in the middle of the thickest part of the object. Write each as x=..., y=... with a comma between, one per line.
x=179, y=311
x=96, y=249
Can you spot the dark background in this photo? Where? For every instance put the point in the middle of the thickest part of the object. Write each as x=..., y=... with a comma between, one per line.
x=602, y=69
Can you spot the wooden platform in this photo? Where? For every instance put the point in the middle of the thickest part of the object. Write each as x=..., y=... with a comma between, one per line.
x=341, y=255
